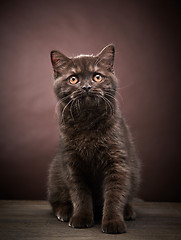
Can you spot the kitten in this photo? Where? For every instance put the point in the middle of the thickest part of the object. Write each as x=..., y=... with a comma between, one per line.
x=96, y=169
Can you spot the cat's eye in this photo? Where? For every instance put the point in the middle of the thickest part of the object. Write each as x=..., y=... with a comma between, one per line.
x=97, y=78
x=73, y=79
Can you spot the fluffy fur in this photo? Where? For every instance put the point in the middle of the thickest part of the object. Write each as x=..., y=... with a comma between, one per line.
x=96, y=169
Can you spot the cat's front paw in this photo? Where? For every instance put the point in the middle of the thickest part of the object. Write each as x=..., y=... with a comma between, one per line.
x=63, y=212
x=113, y=226
x=129, y=213
x=81, y=221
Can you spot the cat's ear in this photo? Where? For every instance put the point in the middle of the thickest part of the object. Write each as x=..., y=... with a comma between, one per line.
x=59, y=61
x=106, y=57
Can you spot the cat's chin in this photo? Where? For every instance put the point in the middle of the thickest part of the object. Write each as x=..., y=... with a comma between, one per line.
x=88, y=101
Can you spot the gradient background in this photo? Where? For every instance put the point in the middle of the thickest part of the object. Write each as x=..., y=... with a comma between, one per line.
x=147, y=40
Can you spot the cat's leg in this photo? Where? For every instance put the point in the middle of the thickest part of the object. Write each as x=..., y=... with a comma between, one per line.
x=129, y=213
x=62, y=209
x=82, y=202
x=117, y=186
x=58, y=194
x=82, y=208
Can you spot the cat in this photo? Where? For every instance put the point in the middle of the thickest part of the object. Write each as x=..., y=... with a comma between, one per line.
x=96, y=169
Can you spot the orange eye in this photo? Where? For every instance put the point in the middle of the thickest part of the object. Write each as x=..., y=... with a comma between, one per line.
x=73, y=79
x=97, y=78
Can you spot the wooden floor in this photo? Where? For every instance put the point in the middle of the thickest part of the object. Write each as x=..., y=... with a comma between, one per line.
x=33, y=220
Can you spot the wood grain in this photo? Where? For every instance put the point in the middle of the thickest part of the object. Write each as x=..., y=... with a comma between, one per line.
x=33, y=220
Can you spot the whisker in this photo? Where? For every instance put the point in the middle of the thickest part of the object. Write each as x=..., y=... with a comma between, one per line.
x=107, y=94
x=108, y=103
x=78, y=94
x=111, y=104
x=65, y=108
x=98, y=101
x=95, y=91
x=126, y=86
x=71, y=109
x=117, y=93
x=64, y=98
x=78, y=103
x=57, y=106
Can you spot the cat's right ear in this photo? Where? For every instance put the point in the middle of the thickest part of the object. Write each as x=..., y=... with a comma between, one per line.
x=106, y=57
x=59, y=61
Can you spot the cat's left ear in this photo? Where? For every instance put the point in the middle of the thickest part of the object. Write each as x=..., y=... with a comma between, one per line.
x=106, y=57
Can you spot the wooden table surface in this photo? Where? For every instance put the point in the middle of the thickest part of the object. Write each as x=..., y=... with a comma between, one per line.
x=33, y=220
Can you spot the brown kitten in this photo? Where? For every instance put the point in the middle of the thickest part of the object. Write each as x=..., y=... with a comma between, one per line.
x=96, y=168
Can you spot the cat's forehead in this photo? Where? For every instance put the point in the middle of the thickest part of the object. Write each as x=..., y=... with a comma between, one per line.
x=84, y=63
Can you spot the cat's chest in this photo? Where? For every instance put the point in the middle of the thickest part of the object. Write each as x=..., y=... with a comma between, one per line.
x=87, y=144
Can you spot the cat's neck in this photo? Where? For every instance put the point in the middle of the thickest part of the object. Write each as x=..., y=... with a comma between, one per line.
x=87, y=120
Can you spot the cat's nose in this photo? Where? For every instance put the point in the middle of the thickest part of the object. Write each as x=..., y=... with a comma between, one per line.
x=86, y=87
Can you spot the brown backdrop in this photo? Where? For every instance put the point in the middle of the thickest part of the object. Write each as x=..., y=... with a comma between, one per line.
x=146, y=36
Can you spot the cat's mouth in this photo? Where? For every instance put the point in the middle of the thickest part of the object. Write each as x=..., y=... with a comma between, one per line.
x=86, y=95
x=93, y=99
x=88, y=98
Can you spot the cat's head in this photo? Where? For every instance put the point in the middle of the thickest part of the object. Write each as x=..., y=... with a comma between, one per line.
x=86, y=79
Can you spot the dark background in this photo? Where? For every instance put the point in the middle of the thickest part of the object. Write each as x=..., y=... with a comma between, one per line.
x=147, y=40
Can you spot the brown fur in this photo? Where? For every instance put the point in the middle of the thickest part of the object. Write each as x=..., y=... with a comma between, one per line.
x=96, y=169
